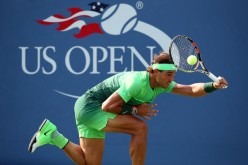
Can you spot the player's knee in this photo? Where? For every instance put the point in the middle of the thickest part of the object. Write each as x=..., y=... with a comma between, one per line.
x=141, y=128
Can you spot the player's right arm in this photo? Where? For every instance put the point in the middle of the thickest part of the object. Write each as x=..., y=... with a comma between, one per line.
x=128, y=88
x=113, y=103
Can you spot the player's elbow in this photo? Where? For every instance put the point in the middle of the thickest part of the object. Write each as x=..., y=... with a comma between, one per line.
x=112, y=108
x=108, y=107
x=105, y=107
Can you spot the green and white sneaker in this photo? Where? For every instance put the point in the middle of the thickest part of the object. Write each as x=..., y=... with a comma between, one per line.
x=47, y=134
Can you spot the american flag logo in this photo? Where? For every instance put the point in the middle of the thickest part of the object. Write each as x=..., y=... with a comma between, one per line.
x=77, y=19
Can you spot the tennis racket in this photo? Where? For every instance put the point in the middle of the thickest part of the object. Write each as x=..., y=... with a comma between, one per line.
x=181, y=47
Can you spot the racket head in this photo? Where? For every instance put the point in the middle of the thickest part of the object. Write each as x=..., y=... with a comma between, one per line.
x=181, y=47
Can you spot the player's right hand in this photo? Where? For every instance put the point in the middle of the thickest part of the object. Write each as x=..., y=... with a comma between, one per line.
x=221, y=84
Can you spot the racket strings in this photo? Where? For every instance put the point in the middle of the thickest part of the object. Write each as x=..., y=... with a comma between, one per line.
x=181, y=49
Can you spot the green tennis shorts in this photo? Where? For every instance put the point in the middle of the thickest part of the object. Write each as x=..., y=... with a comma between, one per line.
x=90, y=118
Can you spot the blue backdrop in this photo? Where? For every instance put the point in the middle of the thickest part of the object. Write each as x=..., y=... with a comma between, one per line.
x=39, y=62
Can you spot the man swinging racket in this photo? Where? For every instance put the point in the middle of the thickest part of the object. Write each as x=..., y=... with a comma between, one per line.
x=116, y=105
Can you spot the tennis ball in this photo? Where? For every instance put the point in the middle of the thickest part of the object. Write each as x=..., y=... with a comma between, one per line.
x=119, y=19
x=191, y=60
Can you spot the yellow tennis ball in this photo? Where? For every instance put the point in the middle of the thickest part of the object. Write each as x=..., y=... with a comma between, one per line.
x=192, y=60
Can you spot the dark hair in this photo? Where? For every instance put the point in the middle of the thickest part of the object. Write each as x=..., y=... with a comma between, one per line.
x=162, y=58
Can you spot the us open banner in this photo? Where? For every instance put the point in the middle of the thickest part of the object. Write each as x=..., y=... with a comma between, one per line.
x=54, y=51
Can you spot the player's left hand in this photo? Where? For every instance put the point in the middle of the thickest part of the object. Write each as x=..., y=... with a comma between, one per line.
x=146, y=110
x=221, y=84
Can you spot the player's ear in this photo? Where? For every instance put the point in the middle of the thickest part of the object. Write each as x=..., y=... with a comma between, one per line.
x=155, y=71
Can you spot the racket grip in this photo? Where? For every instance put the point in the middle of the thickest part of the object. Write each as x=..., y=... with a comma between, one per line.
x=213, y=77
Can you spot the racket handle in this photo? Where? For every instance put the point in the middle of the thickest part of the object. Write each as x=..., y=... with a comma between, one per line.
x=213, y=77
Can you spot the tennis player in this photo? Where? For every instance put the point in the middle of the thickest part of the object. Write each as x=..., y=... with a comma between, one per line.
x=118, y=104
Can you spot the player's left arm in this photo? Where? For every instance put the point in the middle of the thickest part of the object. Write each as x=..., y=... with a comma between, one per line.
x=199, y=89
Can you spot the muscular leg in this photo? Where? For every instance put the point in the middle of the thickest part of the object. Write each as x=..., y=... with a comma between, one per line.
x=137, y=128
x=93, y=150
x=75, y=153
